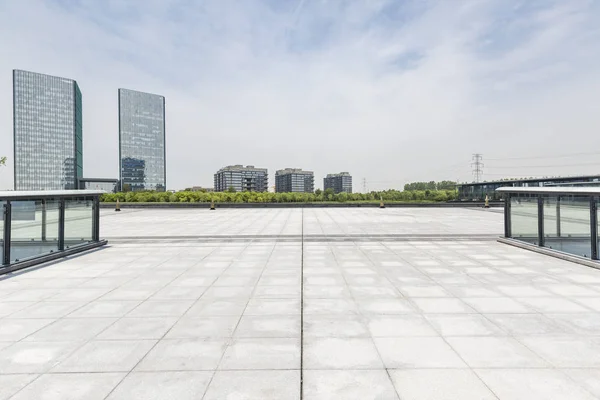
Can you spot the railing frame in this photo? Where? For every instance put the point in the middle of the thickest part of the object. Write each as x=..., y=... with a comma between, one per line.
x=61, y=196
x=542, y=194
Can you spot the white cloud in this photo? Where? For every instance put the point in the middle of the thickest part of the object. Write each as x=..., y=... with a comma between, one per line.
x=390, y=91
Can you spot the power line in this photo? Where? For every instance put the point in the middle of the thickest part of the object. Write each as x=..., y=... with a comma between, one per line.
x=542, y=166
x=595, y=153
x=477, y=166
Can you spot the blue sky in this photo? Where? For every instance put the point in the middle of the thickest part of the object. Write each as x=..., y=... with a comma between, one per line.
x=392, y=91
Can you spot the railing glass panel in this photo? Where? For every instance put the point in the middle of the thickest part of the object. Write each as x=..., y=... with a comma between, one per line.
x=30, y=234
x=524, y=218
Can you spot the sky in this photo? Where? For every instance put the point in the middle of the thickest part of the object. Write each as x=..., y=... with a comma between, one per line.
x=392, y=91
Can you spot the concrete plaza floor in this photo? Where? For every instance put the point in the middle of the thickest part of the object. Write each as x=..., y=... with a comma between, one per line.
x=404, y=304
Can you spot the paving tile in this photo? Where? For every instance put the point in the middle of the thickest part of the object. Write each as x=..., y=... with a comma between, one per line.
x=526, y=324
x=106, y=356
x=566, y=351
x=17, y=329
x=439, y=384
x=184, y=355
x=71, y=387
x=268, y=326
x=34, y=357
x=497, y=305
x=553, y=305
x=384, y=306
x=340, y=353
x=262, y=353
x=76, y=329
x=587, y=378
x=334, y=326
x=348, y=385
x=463, y=325
x=329, y=306
x=495, y=352
x=11, y=384
x=272, y=307
x=161, y=308
x=442, y=305
x=532, y=384
x=424, y=291
x=399, y=325
x=417, y=352
x=180, y=385
x=207, y=327
x=138, y=328
x=105, y=309
x=254, y=385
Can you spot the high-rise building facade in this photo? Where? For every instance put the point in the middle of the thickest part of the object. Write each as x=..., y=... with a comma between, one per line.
x=341, y=182
x=242, y=179
x=294, y=180
x=48, y=132
x=142, y=147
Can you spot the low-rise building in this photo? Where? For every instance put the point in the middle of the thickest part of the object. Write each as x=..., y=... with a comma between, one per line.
x=341, y=182
x=294, y=180
x=242, y=179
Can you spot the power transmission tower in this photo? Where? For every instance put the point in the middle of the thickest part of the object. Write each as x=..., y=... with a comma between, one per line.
x=364, y=185
x=477, y=167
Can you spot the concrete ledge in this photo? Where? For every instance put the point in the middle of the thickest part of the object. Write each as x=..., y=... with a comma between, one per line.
x=552, y=253
x=469, y=204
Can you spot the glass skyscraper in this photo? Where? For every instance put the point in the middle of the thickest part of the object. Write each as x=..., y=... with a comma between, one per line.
x=142, y=151
x=48, y=144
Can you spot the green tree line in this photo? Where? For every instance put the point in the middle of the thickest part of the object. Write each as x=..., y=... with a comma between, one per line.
x=265, y=197
x=431, y=185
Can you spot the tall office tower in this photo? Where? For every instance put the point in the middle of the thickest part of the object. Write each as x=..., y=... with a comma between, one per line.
x=47, y=129
x=242, y=179
x=341, y=182
x=294, y=180
x=142, y=150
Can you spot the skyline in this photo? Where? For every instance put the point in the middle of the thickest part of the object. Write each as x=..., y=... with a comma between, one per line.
x=392, y=91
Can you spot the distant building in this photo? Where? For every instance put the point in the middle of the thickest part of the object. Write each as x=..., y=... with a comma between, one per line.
x=142, y=151
x=294, y=180
x=47, y=129
x=242, y=179
x=341, y=182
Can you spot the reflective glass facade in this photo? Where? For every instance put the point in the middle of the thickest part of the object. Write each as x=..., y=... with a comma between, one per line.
x=48, y=130
x=142, y=151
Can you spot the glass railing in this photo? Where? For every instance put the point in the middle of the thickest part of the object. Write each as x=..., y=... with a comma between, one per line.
x=36, y=227
x=563, y=219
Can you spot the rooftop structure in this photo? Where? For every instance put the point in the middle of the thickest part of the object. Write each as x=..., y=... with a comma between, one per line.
x=294, y=180
x=478, y=191
x=242, y=179
x=400, y=303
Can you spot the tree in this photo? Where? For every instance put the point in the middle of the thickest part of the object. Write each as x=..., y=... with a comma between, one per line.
x=318, y=192
x=2, y=161
x=231, y=189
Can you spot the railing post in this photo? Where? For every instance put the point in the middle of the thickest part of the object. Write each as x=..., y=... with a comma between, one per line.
x=96, y=219
x=558, y=216
x=7, y=225
x=507, y=228
x=594, y=227
x=541, y=220
x=44, y=220
x=61, y=224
